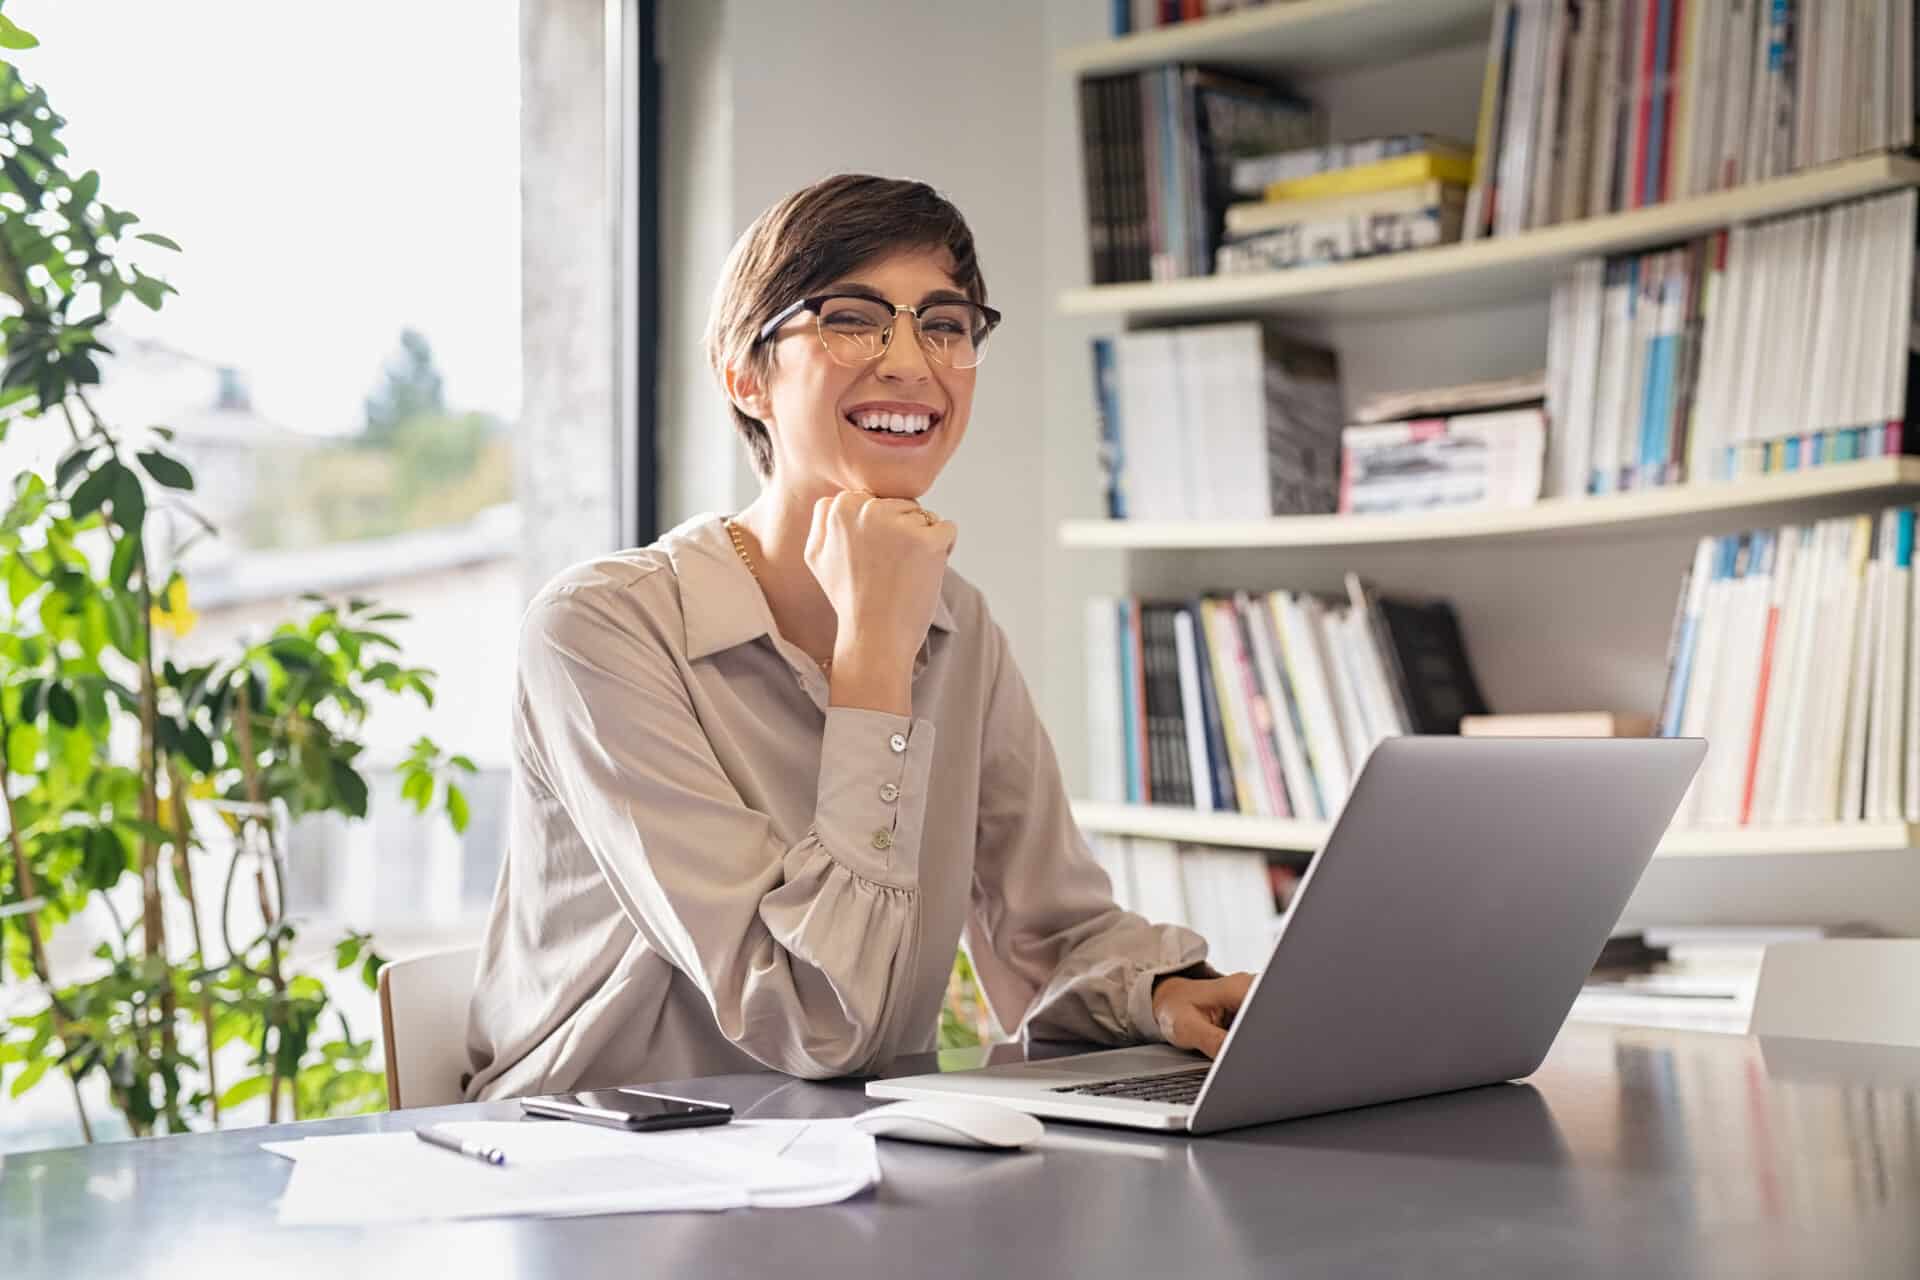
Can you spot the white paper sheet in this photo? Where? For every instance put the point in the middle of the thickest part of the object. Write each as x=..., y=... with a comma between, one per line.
x=558, y=1168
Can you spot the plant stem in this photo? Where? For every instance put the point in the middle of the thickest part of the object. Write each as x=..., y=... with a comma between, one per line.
x=182, y=846
x=36, y=945
x=80, y=1108
x=249, y=769
x=153, y=918
x=22, y=869
x=73, y=428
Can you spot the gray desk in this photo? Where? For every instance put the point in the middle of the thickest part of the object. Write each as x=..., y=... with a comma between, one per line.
x=1631, y=1153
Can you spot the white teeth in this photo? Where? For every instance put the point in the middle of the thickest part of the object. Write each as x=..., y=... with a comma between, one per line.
x=896, y=423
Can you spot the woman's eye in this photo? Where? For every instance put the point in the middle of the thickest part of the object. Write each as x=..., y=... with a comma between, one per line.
x=848, y=320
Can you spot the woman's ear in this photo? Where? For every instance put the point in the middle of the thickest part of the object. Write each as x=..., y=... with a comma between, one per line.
x=747, y=395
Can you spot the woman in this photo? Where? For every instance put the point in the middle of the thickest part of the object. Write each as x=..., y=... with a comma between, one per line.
x=770, y=768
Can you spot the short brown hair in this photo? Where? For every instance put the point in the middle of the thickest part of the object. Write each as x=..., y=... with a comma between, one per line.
x=807, y=241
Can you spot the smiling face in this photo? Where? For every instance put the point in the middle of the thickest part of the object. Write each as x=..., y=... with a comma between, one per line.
x=887, y=426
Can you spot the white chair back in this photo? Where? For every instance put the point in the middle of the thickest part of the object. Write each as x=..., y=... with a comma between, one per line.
x=1865, y=990
x=423, y=1011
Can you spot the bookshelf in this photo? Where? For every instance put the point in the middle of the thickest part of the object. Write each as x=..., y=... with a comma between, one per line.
x=1569, y=601
x=1282, y=834
x=1485, y=272
x=1294, y=38
x=1681, y=509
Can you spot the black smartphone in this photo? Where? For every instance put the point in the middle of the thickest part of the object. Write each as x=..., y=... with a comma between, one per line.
x=628, y=1109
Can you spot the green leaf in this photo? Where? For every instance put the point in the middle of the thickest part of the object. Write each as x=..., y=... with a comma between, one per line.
x=61, y=705
x=457, y=808
x=12, y=37
x=31, y=1076
x=370, y=970
x=129, y=501
x=141, y=827
x=245, y=1091
x=349, y=786
x=106, y=857
x=94, y=490
x=170, y=472
x=346, y=951
x=154, y=237
x=150, y=291
x=198, y=749
x=32, y=693
x=125, y=553
x=87, y=187
x=123, y=627
x=22, y=581
x=73, y=464
x=463, y=763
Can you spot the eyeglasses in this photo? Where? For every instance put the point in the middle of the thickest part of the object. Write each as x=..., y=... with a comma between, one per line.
x=856, y=328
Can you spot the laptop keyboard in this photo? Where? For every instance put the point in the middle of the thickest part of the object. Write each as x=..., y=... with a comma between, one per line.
x=1175, y=1087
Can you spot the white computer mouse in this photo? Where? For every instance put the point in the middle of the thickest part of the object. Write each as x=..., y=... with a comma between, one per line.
x=955, y=1123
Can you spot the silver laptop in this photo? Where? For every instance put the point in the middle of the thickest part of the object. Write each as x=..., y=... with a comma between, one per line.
x=1436, y=943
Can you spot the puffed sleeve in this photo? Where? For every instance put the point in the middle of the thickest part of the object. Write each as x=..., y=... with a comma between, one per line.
x=1054, y=954
x=804, y=951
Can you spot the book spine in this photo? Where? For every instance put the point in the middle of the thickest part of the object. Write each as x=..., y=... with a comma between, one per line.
x=1092, y=165
x=1263, y=728
x=1112, y=450
x=1645, y=46
x=1218, y=761
x=1358, y=235
x=1659, y=139
x=1784, y=556
x=1137, y=676
x=1129, y=703
x=1192, y=714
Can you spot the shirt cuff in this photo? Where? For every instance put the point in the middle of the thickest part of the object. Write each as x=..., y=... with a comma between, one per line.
x=1140, y=990
x=871, y=806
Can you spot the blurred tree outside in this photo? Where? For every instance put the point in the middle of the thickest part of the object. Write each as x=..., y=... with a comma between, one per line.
x=411, y=388
x=415, y=464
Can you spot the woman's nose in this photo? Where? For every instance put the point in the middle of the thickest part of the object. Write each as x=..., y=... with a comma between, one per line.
x=904, y=360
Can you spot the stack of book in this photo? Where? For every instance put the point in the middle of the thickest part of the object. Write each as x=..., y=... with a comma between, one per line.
x=1157, y=147
x=1226, y=421
x=1770, y=347
x=1793, y=655
x=1129, y=16
x=1264, y=704
x=1417, y=451
x=1345, y=200
x=1234, y=898
x=1594, y=106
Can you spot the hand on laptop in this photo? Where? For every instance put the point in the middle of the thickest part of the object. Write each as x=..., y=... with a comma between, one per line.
x=1194, y=1013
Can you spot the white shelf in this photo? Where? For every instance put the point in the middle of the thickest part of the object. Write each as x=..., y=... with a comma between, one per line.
x=1163, y=823
x=1677, y=508
x=1292, y=37
x=1503, y=269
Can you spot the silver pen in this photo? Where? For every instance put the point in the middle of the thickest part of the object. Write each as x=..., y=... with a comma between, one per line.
x=484, y=1154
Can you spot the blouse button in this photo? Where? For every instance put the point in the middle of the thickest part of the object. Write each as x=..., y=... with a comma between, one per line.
x=898, y=742
x=883, y=839
x=889, y=792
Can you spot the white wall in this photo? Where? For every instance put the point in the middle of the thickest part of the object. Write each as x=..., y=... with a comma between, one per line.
x=747, y=85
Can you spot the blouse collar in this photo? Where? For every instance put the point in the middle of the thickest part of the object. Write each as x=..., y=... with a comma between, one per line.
x=720, y=600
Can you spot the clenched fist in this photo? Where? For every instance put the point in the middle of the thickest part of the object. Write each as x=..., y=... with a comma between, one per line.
x=880, y=562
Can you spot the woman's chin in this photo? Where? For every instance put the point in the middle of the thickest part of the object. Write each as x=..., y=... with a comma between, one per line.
x=906, y=482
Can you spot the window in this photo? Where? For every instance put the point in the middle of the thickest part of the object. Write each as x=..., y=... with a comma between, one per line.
x=341, y=367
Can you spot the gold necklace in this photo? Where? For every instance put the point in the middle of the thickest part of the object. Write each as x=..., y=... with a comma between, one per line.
x=740, y=549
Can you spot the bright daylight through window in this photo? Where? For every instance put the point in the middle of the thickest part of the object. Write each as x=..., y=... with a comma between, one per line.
x=341, y=372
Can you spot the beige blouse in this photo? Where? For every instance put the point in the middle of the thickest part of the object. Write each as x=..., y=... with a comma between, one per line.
x=711, y=870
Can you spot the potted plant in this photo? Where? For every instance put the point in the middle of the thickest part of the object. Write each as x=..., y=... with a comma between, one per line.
x=124, y=775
